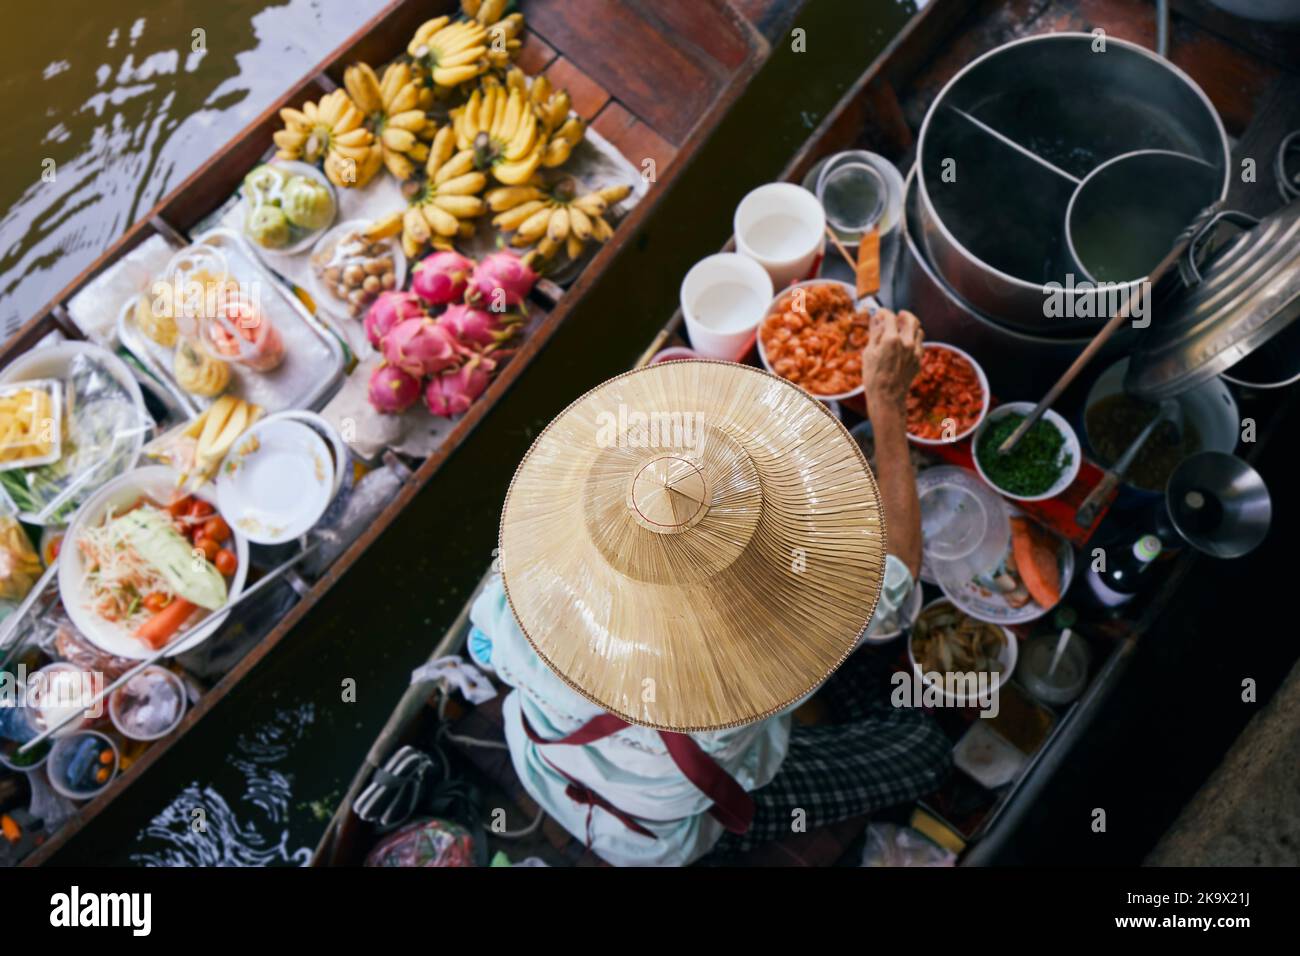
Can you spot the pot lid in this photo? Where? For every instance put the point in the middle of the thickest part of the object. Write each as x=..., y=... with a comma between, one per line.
x=1248, y=292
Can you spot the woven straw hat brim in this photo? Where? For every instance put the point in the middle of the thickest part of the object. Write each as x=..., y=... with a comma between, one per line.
x=693, y=545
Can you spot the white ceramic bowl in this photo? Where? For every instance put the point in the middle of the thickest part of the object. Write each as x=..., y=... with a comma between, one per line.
x=762, y=355
x=984, y=408
x=1010, y=654
x=53, y=361
x=324, y=296
x=158, y=482
x=1070, y=448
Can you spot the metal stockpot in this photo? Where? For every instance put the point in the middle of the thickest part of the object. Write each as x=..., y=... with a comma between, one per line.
x=1008, y=140
x=1020, y=365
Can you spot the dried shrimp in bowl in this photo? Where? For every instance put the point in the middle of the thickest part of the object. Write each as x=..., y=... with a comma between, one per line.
x=813, y=336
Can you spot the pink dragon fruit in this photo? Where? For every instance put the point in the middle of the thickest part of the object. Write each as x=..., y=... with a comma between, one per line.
x=454, y=391
x=392, y=390
x=501, y=281
x=388, y=309
x=475, y=328
x=441, y=278
x=421, y=347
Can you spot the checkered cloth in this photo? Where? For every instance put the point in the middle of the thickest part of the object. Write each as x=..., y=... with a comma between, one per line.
x=873, y=756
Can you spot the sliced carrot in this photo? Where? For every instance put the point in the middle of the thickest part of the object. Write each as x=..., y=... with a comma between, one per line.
x=1036, y=562
x=12, y=832
x=158, y=630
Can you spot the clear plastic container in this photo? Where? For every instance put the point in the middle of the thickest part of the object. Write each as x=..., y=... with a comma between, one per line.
x=149, y=705
x=965, y=529
x=241, y=332
x=78, y=770
x=31, y=423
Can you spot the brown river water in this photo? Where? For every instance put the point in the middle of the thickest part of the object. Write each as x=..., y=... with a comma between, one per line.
x=108, y=104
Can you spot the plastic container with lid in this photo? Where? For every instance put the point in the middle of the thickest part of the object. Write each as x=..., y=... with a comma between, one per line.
x=31, y=423
x=965, y=530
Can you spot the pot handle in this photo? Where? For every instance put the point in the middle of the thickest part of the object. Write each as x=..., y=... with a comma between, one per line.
x=1188, y=271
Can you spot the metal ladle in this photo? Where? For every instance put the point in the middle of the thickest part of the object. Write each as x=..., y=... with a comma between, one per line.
x=1171, y=411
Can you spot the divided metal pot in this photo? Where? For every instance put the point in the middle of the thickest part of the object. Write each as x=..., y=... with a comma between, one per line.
x=1024, y=364
x=1009, y=139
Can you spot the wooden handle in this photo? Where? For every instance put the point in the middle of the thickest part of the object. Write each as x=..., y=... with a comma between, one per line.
x=1087, y=512
x=1104, y=335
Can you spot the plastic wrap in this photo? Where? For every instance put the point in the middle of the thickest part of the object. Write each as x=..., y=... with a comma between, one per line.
x=375, y=490
x=101, y=428
x=352, y=270
x=425, y=843
x=286, y=205
x=59, y=638
x=890, y=845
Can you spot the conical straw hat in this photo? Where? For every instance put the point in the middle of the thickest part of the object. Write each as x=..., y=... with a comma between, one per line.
x=693, y=545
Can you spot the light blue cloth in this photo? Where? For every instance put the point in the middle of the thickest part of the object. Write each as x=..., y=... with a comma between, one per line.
x=631, y=769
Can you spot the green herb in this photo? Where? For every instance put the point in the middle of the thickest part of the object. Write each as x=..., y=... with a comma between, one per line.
x=1032, y=466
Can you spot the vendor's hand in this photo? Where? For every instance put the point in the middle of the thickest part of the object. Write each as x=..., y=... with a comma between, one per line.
x=891, y=359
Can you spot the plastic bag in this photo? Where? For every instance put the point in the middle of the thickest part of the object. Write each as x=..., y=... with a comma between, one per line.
x=890, y=845
x=58, y=637
x=371, y=494
x=425, y=843
x=101, y=430
x=354, y=270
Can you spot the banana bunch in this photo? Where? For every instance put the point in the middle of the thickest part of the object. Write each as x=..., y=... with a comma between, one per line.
x=332, y=131
x=196, y=448
x=503, y=34
x=394, y=114
x=447, y=53
x=560, y=131
x=553, y=220
x=500, y=130
x=446, y=203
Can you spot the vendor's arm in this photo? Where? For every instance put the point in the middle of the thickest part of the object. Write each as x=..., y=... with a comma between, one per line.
x=889, y=363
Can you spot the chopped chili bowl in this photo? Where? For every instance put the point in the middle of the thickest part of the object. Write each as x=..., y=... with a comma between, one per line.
x=950, y=385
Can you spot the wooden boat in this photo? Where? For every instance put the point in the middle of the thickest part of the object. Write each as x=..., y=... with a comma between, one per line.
x=1242, y=69
x=651, y=93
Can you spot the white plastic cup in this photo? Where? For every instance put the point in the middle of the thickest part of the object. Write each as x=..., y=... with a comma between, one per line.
x=782, y=227
x=724, y=298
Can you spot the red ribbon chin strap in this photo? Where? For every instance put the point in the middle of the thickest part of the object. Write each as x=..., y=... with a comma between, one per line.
x=732, y=805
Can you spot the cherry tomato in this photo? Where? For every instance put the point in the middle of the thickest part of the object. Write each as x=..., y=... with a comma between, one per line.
x=226, y=562
x=181, y=506
x=200, y=509
x=155, y=601
x=216, y=529
x=207, y=546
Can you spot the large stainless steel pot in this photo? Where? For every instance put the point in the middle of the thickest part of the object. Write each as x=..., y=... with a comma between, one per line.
x=1020, y=365
x=1007, y=141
